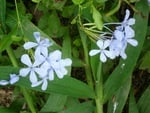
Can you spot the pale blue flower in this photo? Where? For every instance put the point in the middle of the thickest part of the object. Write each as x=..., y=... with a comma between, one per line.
x=54, y=63
x=40, y=45
x=32, y=68
x=13, y=78
x=104, y=53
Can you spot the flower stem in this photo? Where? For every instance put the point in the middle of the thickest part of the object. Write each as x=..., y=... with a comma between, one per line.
x=99, y=90
x=24, y=91
x=86, y=56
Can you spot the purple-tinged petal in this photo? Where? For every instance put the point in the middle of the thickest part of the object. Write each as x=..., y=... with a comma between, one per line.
x=24, y=72
x=51, y=75
x=133, y=42
x=44, y=85
x=94, y=52
x=100, y=44
x=33, y=77
x=131, y=21
x=37, y=36
x=55, y=56
x=106, y=44
x=103, y=57
x=29, y=45
x=26, y=60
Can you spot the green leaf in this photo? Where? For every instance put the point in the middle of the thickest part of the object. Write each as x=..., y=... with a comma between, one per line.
x=146, y=62
x=5, y=42
x=77, y=2
x=55, y=103
x=132, y=104
x=97, y=18
x=144, y=102
x=126, y=67
x=3, y=14
x=120, y=98
x=86, y=107
x=67, y=86
x=6, y=110
x=6, y=70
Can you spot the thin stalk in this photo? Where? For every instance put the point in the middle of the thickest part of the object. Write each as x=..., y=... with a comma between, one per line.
x=24, y=91
x=99, y=90
x=18, y=17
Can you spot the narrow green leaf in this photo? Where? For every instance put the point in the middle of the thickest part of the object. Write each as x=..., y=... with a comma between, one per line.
x=145, y=64
x=119, y=99
x=86, y=107
x=55, y=103
x=97, y=18
x=144, y=102
x=3, y=14
x=126, y=67
x=77, y=2
x=132, y=104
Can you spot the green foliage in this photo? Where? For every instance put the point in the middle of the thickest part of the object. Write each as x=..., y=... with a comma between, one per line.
x=74, y=26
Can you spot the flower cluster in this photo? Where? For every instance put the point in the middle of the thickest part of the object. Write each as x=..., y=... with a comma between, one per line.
x=114, y=45
x=43, y=66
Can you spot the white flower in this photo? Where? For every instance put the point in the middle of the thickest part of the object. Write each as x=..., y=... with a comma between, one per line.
x=13, y=78
x=4, y=82
x=102, y=50
x=32, y=68
x=44, y=83
x=41, y=45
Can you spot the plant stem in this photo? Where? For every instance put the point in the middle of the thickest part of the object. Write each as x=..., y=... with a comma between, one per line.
x=99, y=90
x=24, y=91
x=86, y=56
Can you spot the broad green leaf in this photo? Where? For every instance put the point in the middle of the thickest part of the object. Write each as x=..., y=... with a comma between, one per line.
x=119, y=99
x=132, y=104
x=6, y=70
x=86, y=107
x=67, y=86
x=3, y=14
x=144, y=102
x=55, y=103
x=97, y=18
x=66, y=48
x=77, y=2
x=126, y=67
